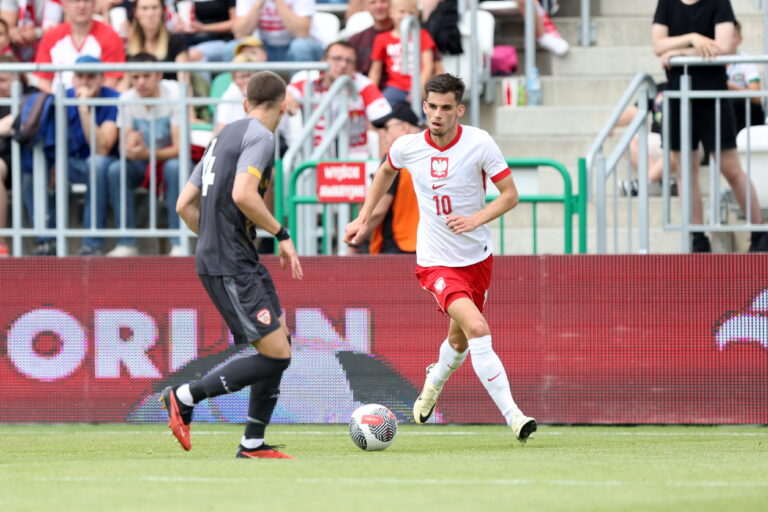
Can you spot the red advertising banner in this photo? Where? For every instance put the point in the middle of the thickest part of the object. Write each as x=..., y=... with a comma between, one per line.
x=584, y=339
x=341, y=182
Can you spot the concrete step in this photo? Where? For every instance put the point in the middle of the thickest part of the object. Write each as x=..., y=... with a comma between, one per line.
x=585, y=90
x=621, y=60
x=551, y=120
x=648, y=8
x=636, y=30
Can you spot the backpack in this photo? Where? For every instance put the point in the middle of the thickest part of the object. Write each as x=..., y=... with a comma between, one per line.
x=35, y=119
x=35, y=123
x=443, y=26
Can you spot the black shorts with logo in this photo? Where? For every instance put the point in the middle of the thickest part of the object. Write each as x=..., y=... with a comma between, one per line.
x=248, y=303
x=703, y=125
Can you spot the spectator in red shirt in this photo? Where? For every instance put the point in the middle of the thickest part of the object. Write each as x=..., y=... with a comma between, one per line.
x=79, y=35
x=387, y=55
x=363, y=41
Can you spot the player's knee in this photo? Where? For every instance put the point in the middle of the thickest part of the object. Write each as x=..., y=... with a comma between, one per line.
x=476, y=328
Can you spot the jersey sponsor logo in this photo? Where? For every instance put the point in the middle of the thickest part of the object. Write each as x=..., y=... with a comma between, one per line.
x=435, y=187
x=440, y=285
x=264, y=316
x=439, y=167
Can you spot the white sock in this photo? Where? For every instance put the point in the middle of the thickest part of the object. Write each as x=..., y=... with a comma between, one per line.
x=251, y=444
x=491, y=373
x=184, y=395
x=450, y=360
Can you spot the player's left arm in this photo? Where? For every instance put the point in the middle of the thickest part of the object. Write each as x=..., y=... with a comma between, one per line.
x=508, y=199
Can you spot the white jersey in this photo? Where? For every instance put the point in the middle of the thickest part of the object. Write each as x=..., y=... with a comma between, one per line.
x=450, y=181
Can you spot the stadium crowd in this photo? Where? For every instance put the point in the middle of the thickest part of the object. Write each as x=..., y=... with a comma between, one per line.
x=65, y=32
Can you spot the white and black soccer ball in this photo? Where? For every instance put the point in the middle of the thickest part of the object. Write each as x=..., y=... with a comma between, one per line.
x=372, y=427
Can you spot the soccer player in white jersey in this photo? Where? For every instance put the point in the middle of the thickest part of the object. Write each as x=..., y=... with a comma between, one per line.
x=449, y=163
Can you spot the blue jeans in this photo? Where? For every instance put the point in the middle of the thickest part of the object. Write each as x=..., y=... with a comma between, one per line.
x=215, y=51
x=303, y=49
x=134, y=176
x=79, y=172
x=393, y=95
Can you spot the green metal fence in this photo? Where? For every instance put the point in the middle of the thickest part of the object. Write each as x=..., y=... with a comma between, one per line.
x=573, y=204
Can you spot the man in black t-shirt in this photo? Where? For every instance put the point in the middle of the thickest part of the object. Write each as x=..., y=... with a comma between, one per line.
x=704, y=28
x=223, y=202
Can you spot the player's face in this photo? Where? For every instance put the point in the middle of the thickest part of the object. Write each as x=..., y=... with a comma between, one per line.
x=443, y=112
x=341, y=61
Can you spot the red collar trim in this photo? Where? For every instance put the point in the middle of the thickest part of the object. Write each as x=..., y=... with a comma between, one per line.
x=429, y=140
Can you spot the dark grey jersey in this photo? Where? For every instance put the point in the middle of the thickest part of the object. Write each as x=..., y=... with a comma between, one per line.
x=226, y=243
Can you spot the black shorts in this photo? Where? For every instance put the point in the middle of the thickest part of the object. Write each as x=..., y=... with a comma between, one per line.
x=703, y=125
x=247, y=302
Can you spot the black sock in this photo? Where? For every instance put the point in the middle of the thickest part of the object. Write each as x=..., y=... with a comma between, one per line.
x=237, y=374
x=262, y=402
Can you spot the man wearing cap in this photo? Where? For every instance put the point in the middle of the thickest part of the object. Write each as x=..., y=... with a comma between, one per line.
x=83, y=158
x=368, y=105
x=252, y=46
x=79, y=35
x=395, y=219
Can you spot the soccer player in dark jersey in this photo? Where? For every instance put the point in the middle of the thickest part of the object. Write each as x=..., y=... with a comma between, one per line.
x=223, y=203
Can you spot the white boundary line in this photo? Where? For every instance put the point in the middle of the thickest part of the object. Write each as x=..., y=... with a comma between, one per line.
x=412, y=481
x=275, y=430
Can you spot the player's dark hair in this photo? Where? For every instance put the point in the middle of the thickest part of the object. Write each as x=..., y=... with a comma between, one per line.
x=142, y=57
x=343, y=44
x=445, y=83
x=265, y=88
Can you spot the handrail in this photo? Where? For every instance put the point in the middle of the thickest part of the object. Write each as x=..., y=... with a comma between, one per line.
x=643, y=84
x=410, y=32
x=572, y=204
x=164, y=67
x=307, y=133
x=686, y=94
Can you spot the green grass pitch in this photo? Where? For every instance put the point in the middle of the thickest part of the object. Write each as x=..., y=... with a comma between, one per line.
x=53, y=468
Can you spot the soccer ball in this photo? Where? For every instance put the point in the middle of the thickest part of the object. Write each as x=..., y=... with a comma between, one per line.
x=372, y=427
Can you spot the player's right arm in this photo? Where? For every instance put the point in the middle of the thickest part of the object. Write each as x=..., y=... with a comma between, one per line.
x=357, y=231
x=245, y=194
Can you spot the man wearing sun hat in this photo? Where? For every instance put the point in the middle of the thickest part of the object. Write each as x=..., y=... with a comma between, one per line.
x=251, y=45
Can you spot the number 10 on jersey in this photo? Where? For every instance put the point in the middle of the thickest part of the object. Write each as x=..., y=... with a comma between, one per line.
x=442, y=204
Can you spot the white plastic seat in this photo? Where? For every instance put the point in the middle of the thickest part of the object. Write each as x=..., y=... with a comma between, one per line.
x=325, y=28
x=356, y=23
x=758, y=144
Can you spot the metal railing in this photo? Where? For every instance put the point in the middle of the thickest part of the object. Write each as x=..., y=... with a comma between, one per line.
x=640, y=90
x=573, y=205
x=334, y=106
x=61, y=231
x=410, y=34
x=713, y=221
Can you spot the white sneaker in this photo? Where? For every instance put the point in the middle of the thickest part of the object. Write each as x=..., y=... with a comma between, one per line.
x=523, y=426
x=176, y=251
x=123, y=251
x=425, y=404
x=554, y=43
